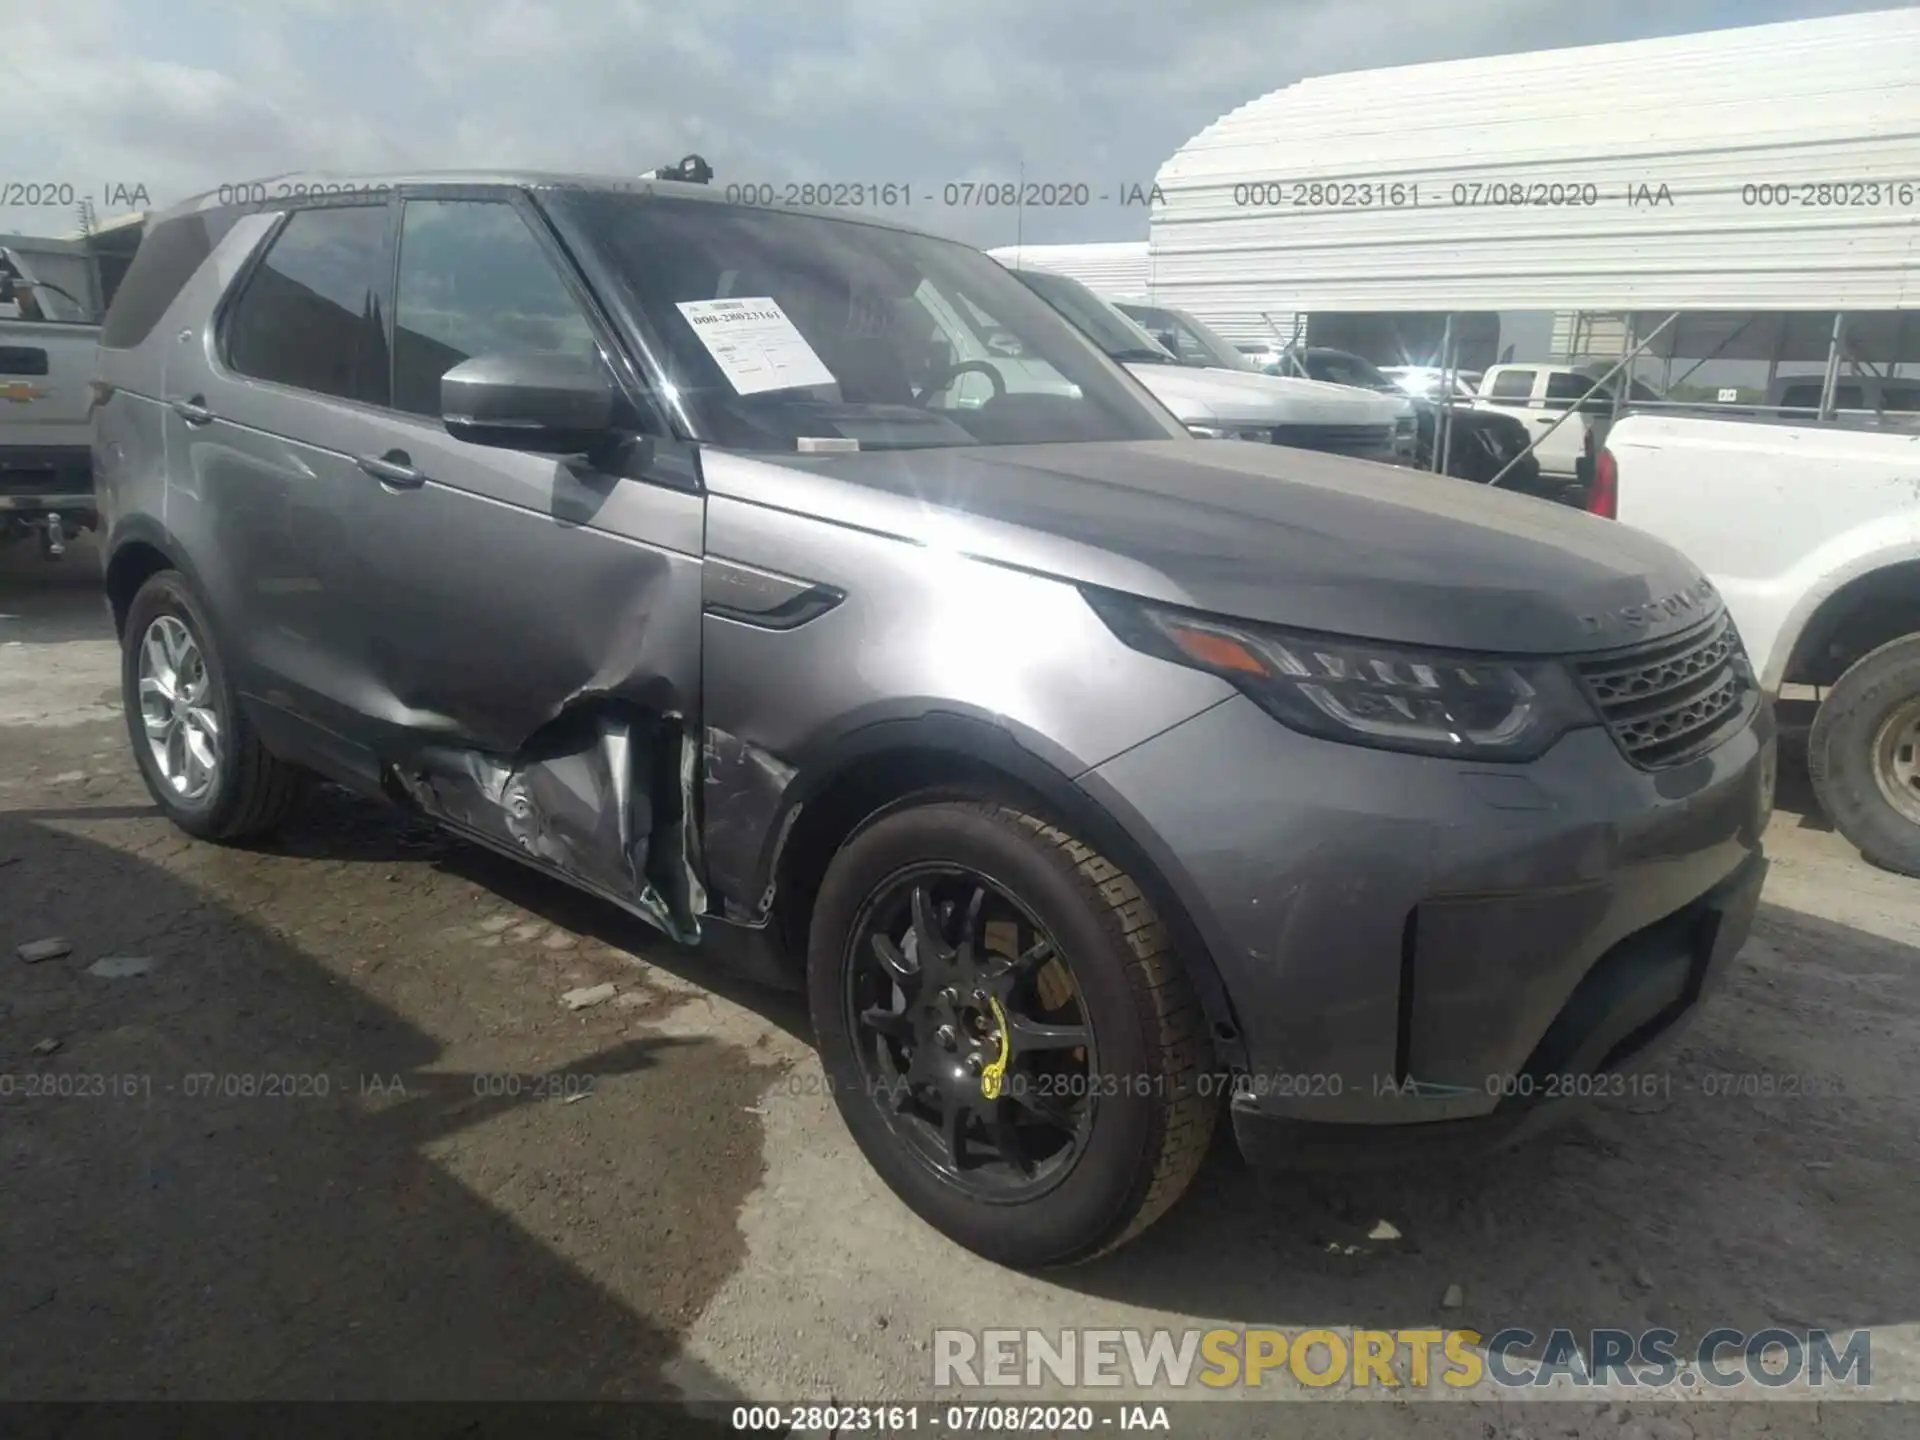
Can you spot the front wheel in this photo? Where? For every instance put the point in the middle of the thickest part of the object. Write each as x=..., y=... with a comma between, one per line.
x=1008, y=1035
x=1863, y=755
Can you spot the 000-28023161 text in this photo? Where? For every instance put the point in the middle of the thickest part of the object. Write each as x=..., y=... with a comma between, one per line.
x=908, y=1417
x=1071, y=1085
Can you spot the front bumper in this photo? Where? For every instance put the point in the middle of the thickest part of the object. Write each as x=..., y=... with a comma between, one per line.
x=1412, y=941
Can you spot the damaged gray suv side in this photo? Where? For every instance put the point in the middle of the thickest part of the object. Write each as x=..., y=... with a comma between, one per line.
x=1092, y=779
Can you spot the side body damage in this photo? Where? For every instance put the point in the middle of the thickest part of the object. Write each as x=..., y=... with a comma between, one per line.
x=600, y=798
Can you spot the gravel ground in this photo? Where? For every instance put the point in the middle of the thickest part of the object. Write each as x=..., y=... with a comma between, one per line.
x=342, y=1138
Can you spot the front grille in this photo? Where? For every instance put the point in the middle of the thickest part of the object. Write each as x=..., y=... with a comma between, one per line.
x=1673, y=699
x=1341, y=439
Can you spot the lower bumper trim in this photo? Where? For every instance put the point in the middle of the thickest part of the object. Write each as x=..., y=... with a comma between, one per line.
x=1634, y=1004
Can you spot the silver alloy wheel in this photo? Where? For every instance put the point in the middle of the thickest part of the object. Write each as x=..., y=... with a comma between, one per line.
x=1896, y=760
x=177, y=710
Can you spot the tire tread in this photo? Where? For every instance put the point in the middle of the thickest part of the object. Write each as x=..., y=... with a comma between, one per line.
x=1169, y=1006
x=1839, y=762
x=269, y=787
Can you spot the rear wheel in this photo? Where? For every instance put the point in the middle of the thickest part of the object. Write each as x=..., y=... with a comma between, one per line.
x=1009, y=1037
x=1863, y=755
x=201, y=760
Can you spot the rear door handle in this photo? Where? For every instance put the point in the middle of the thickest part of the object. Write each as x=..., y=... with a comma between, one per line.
x=394, y=468
x=193, y=411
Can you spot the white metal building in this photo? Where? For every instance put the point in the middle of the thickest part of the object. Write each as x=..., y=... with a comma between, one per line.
x=1773, y=168
x=1118, y=267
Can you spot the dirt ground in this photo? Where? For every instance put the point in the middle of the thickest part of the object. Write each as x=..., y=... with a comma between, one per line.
x=341, y=1138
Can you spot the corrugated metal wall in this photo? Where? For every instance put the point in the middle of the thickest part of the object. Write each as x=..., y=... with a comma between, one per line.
x=1581, y=334
x=1380, y=182
x=1118, y=268
x=1127, y=269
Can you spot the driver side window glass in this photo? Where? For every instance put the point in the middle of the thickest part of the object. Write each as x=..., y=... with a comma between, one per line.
x=474, y=281
x=1184, y=343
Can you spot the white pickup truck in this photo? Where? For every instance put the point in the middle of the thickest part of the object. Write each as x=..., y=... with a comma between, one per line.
x=1539, y=395
x=1811, y=533
x=48, y=337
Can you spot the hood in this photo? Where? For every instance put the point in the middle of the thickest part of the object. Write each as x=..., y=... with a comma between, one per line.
x=1246, y=397
x=1261, y=532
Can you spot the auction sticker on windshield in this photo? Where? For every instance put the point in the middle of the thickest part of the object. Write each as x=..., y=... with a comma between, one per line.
x=755, y=345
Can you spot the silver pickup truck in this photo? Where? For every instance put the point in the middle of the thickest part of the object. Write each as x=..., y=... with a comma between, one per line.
x=49, y=333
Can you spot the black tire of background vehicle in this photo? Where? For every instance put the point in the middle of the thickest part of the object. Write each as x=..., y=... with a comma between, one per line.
x=253, y=791
x=1144, y=1148
x=1841, y=760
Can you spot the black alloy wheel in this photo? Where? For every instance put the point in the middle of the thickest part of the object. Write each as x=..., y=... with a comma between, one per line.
x=969, y=1028
x=1007, y=1031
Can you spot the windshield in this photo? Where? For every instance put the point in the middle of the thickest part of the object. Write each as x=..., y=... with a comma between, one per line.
x=1187, y=337
x=1105, y=325
x=778, y=327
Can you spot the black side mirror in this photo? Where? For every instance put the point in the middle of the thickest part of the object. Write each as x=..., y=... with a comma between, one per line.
x=551, y=404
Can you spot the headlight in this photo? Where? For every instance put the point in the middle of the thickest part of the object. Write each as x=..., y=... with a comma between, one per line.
x=1430, y=702
x=1231, y=432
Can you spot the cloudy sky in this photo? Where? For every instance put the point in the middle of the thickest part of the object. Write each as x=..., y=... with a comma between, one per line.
x=184, y=95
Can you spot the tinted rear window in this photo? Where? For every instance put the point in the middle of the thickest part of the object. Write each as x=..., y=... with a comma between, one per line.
x=165, y=261
x=310, y=314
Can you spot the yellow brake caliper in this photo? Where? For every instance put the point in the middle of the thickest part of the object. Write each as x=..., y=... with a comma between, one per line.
x=995, y=1073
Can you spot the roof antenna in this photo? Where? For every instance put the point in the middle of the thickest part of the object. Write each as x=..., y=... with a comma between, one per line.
x=693, y=170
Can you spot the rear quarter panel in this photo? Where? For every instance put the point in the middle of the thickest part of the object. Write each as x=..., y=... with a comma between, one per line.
x=130, y=430
x=1778, y=516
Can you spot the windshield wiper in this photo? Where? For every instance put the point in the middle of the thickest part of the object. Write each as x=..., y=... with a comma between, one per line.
x=1142, y=357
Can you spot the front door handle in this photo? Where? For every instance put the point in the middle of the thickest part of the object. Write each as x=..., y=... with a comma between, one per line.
x=394, y=468
x=194, y=411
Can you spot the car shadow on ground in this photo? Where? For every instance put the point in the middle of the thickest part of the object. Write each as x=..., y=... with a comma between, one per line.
x=224, y=1183
x=337, y=825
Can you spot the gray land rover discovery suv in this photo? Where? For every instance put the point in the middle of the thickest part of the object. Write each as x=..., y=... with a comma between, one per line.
x=1092, y=779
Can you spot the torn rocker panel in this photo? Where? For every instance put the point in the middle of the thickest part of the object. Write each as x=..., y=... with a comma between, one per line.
x=601, y=798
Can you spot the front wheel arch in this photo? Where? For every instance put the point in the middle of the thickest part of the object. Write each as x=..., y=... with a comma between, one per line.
x=895, y=763
x=131, y=565
x=1857, y=618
